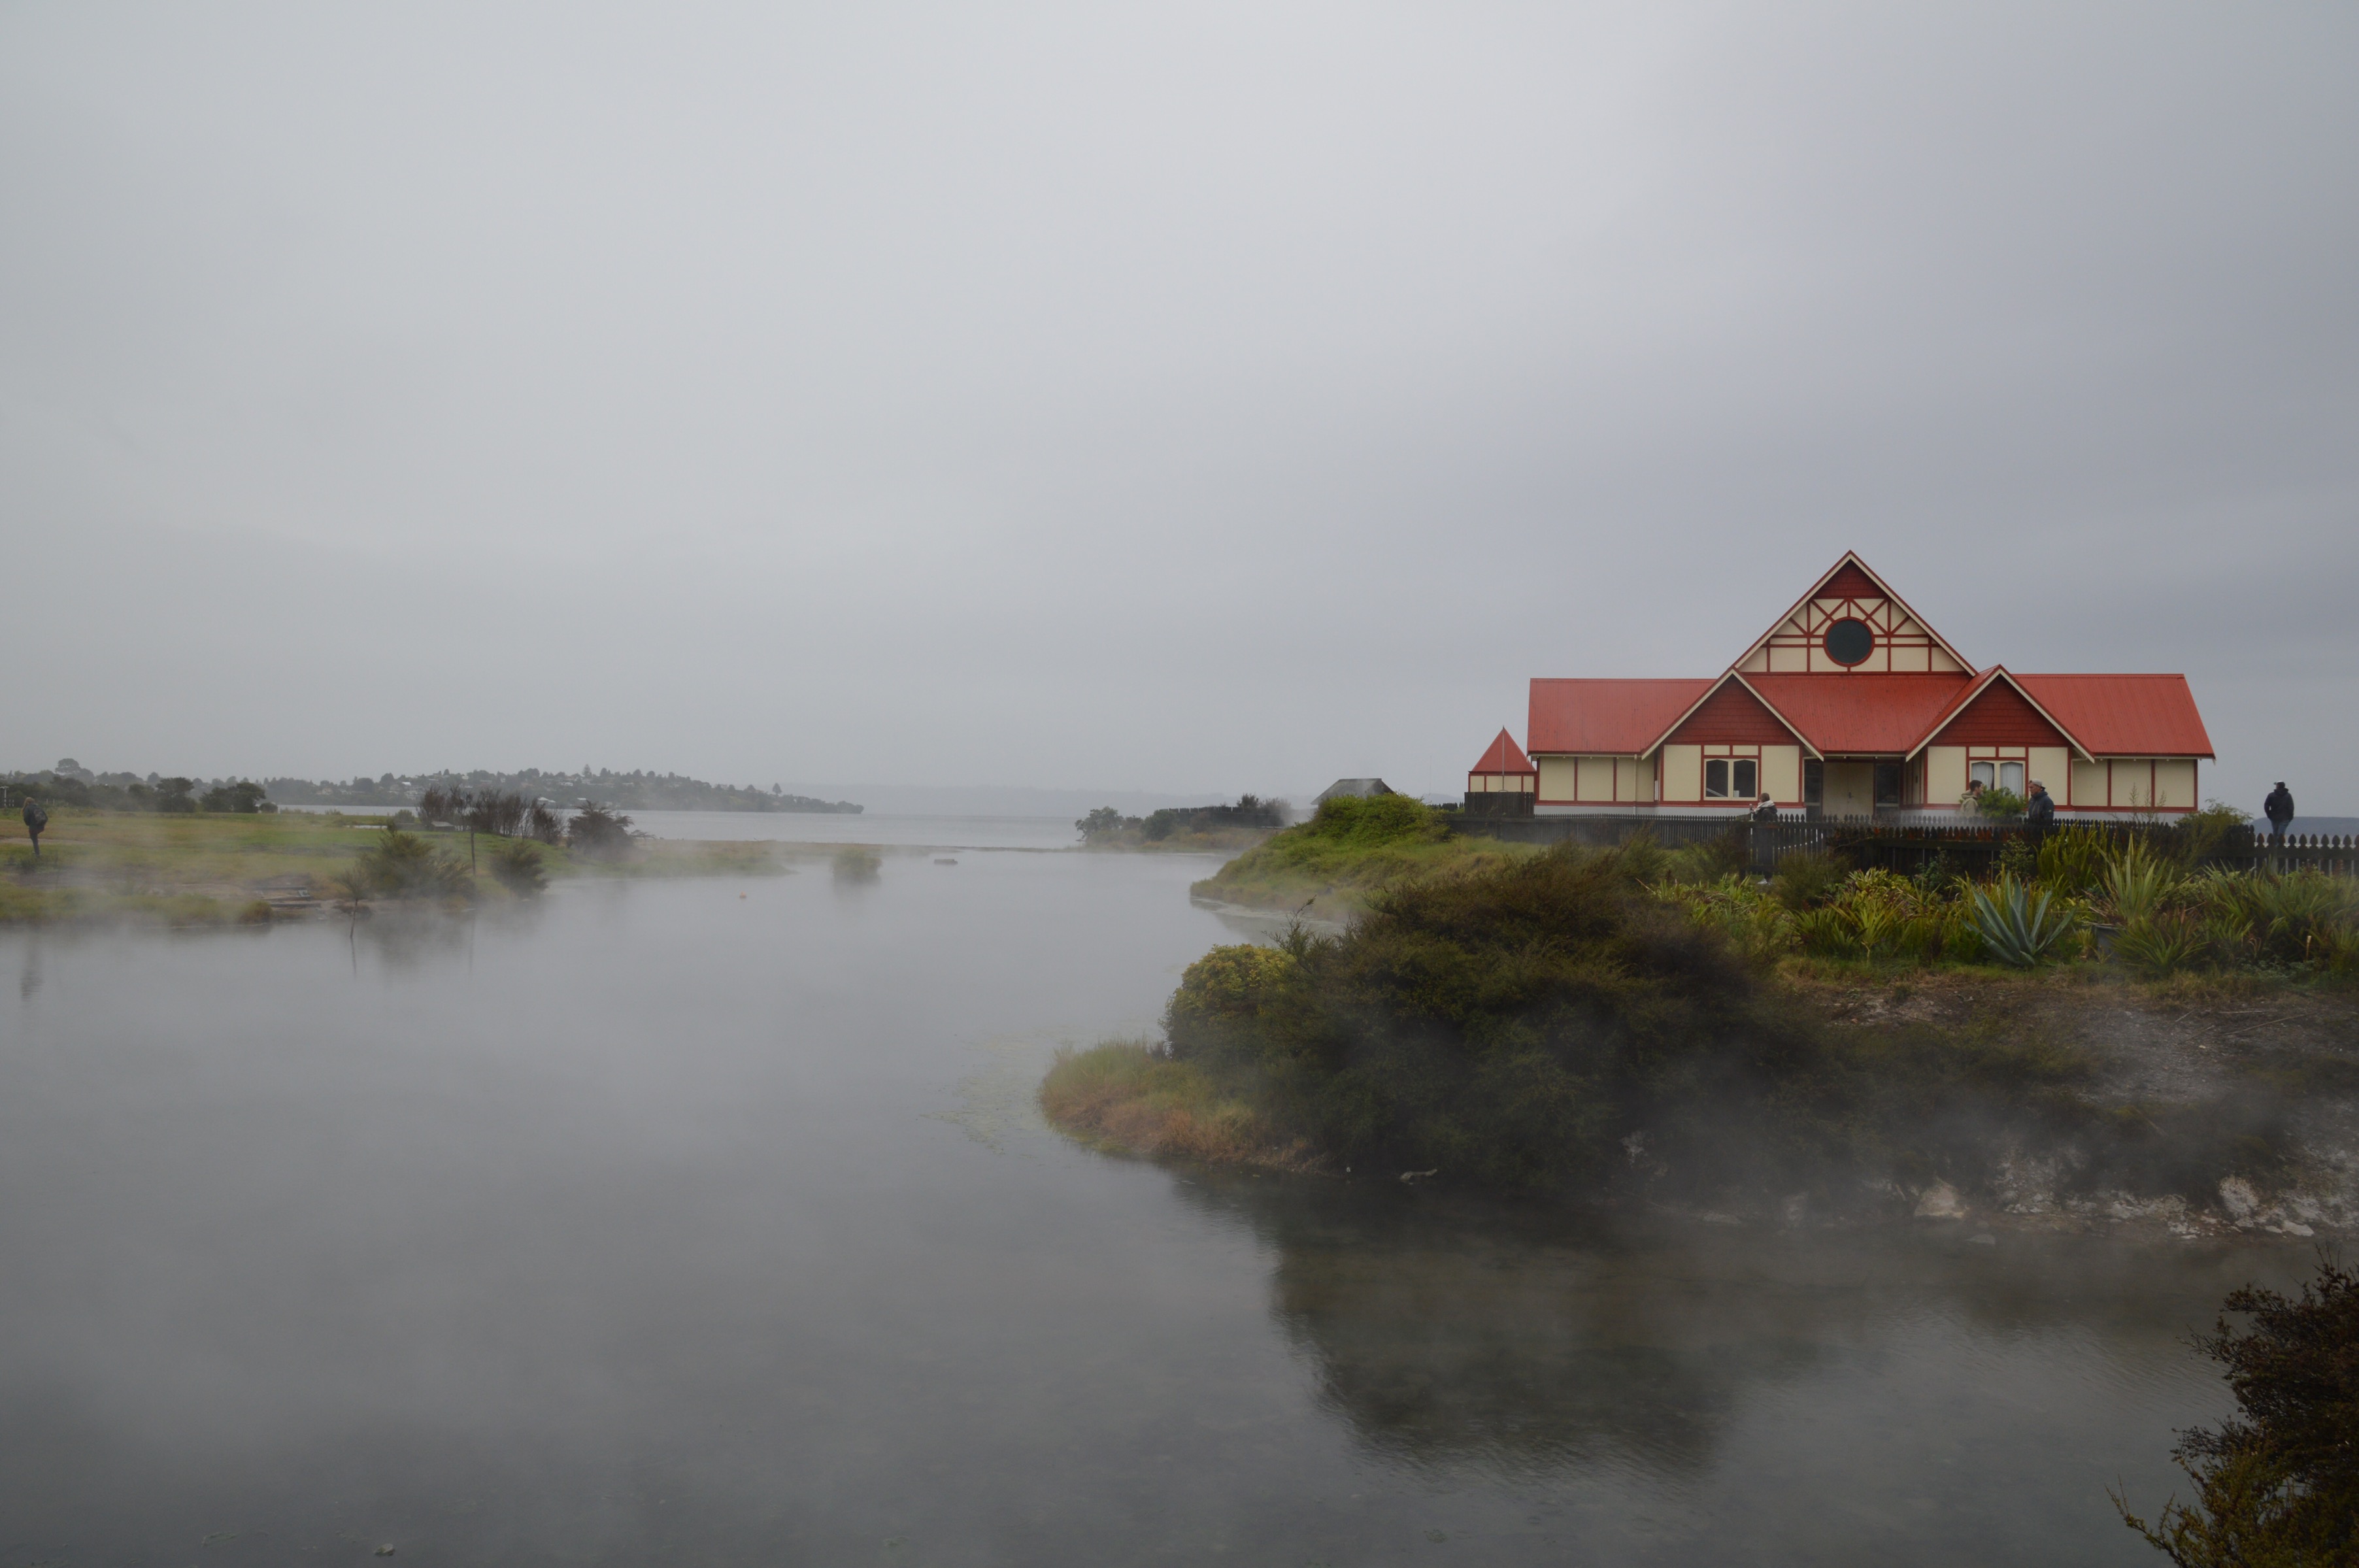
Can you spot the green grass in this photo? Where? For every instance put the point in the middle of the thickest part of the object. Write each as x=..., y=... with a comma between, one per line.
x=209, y=869
x=1352, y=850
x=1125, y=1097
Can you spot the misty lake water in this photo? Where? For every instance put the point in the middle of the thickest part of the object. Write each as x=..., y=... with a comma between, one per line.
x=660, y=1222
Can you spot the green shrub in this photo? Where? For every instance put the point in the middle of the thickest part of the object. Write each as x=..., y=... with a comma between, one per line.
x=2137, y=883
x=1510, y=1026
x=599, y=832
x=1744, y=913
x=2201, y=834
x=2292, y=909
x=1808, y=877
x=857, y=863
x=2276, y=1484
x=2017, y=927
x=516, y=863
x=2162, y=943
x=1369, y=821
x=1997, y=802
x=2073, y=859
x=1723, y=855
x=402, y=865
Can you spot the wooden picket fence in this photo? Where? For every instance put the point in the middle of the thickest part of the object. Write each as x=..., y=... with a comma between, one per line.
x=1972, y=850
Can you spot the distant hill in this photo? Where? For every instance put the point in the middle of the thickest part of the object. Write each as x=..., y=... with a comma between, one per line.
x=633, y=791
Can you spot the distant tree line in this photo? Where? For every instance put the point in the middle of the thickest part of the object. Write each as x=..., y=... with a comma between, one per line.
x=70, y=784
x=1107, y=826
x=633, y=792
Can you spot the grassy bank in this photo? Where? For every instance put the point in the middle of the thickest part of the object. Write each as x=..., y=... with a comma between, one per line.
x=214, y=870
x=1129, y=1096
x=1349, y=851
x=1588, y=1024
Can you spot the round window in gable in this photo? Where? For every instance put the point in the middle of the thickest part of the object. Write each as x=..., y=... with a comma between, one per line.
x=1849, y=642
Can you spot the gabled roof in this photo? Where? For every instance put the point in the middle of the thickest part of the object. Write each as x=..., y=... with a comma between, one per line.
x=1995, y=675
x=1706, y=695
x=1505, y=756
x=1620, y=718
x=1860, y=715
x=1846, y=579
x=1363, y=788
x=2123, y=716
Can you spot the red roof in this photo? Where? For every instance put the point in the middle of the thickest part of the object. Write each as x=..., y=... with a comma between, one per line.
x=2124, y=715
x=1505, y=756
x=1861, y=715
x=1851, y=580
x=1607, y=717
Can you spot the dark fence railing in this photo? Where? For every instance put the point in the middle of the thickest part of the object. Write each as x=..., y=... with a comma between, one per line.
x=1972, y=850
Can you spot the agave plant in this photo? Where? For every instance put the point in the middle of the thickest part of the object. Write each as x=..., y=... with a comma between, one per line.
x=2016, y=926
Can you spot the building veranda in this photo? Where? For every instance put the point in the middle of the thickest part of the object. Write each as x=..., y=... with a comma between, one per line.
x=1849, y=705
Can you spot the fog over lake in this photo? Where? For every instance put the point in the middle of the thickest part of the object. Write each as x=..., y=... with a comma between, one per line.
x=714, y=1218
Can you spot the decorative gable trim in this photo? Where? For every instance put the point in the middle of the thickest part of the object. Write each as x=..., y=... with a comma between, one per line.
x=1835, y=594
x=1714, y=690
x=1966, y=699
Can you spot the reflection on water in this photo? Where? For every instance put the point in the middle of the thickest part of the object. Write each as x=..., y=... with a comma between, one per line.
x=714, y=1220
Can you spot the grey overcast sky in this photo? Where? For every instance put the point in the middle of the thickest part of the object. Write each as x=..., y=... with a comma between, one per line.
x=1192, y=397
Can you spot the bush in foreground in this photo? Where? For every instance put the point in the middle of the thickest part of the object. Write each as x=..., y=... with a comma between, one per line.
x=1518, y=1027
x=2277, y=1484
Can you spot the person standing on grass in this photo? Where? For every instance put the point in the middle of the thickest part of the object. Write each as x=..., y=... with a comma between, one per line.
x=2278, y=809
x=36, y=819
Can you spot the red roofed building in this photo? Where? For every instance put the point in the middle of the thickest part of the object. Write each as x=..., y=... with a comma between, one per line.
x=1852, y=705
x=1504, y=782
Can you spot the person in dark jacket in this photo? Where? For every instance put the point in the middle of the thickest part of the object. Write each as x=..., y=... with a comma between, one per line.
x=36, y=819
x=2278, y=809
x=2040, y=808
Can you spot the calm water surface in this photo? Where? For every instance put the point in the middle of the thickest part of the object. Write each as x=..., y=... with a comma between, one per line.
x=664, y=1223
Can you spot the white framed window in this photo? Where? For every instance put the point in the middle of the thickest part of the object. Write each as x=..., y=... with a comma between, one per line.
x=1732, y=778
x=2006, y=776
x=1983, y=773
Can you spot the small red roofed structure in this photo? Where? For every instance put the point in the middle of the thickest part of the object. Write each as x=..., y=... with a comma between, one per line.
x=1849, y=705
x=1504, y=782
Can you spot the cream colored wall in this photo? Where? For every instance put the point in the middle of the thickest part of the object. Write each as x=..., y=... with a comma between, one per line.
x=1556, y=778
x=1781, y=773
x=2050, y=765
x=1595, y=775
x=2174, y=783
x=2133, y=783
x=1682, y=772
x=1850, y=789
x=1945, y=774
x=1634, y=780
x=2088, y=785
